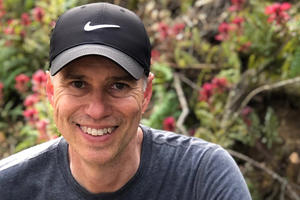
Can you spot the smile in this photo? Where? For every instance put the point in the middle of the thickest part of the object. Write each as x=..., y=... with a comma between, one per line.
x=97, y=132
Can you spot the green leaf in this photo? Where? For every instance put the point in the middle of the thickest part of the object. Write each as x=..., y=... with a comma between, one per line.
x=295, y=64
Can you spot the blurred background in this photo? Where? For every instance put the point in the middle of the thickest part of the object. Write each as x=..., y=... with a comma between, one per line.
x=227, y=71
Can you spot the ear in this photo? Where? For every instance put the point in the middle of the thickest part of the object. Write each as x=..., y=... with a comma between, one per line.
x=148, y=92
x=49, y=88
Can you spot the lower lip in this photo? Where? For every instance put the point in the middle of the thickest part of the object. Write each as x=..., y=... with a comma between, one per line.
x=96, y=139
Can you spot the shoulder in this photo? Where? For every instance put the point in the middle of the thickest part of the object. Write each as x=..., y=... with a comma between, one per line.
x=214, y=172
x=190, y=152
x=179, y=142
x=31, y=154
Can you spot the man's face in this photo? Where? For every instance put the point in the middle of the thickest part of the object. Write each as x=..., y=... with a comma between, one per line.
x=97, y=108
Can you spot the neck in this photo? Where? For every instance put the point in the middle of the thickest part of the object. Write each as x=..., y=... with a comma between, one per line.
x=111, y=176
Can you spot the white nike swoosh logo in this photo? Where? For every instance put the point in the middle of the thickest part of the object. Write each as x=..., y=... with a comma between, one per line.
x=89, y=27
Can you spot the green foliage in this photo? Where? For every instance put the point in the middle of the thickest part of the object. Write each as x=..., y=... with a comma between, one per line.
x=218, y=69
x=24, y=43
x=166, y=103
x=295, y=63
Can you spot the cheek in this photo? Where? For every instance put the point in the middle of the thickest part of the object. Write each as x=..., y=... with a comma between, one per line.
x=63, y=107
x=130, y=106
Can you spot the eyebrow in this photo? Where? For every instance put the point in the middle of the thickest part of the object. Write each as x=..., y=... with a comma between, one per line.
x=73, y=76
x=123, y=78
x=126, y=77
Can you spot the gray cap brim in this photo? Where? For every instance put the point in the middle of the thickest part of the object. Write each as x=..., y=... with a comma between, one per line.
x=125, y=61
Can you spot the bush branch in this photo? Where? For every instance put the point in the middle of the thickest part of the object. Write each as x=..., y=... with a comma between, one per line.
x=183, y=104
x=285, y=185
x=266, y=88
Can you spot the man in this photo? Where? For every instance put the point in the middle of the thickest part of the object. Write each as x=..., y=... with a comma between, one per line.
x=99, y=86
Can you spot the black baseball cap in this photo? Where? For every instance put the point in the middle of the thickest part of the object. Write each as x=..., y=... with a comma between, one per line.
x=101, y=29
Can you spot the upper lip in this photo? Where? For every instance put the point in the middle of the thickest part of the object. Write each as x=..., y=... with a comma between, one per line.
x=96, y=126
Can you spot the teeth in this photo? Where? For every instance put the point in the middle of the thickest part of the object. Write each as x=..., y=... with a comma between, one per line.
x=96, y=132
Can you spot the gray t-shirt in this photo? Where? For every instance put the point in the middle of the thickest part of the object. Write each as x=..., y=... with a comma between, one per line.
x=172, y=167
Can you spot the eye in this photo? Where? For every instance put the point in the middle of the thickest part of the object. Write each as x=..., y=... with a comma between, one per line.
x=120, y=86
x=78, y=84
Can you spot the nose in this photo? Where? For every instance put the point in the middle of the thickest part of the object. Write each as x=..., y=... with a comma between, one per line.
x=97, y=106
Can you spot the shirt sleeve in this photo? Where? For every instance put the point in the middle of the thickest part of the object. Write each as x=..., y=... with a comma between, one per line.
x=219, y=178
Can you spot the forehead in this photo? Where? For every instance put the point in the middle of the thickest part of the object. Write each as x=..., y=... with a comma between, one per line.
x=93, y=65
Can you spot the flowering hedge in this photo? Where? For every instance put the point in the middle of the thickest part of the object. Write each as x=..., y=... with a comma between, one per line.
x=24, y=41
x=209, y=71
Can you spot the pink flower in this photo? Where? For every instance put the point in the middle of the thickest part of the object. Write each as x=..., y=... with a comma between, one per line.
x=39, y=80
x=2, y=13
x=39, y=77
x=23, y=33
x=244, y=47
x=245, y=115
x=30, y=114
x=224, y=29
x=169, y=124
x=163, y=30
x=21, y=83
x=238, y=21
x=246, y=111
x=42, y=124
x=1, y=92
x=177, y=28
x=11, y=21
x=277, y=12
x=206, y=92
x=220, y=84
x=9, y=30
x=236, y=5
x=38, y=13
x=31, y=100
x=155, y=54
x=285, y=6
x=25, y=20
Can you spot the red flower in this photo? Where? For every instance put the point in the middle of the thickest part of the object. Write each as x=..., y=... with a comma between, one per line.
x=169, y=124
x=31, y=100
x=9, y=30
x=163, y=30
x=220, y=84
x=1, y=92
x=21, y=82
x=25, y=20
x=177, y=28
x=11, y=21
x=41, y=126
x=206, y=92
x=224, y=29
x=2, y=13
x=236, y=5
x=238, y=21
x=245, y=115
x=39, y=77
x=38, y=13
x=155, y=54
x=39, y=80
x=244, y=47
x=30, y=114
x=22, y=78
x=277, y=12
